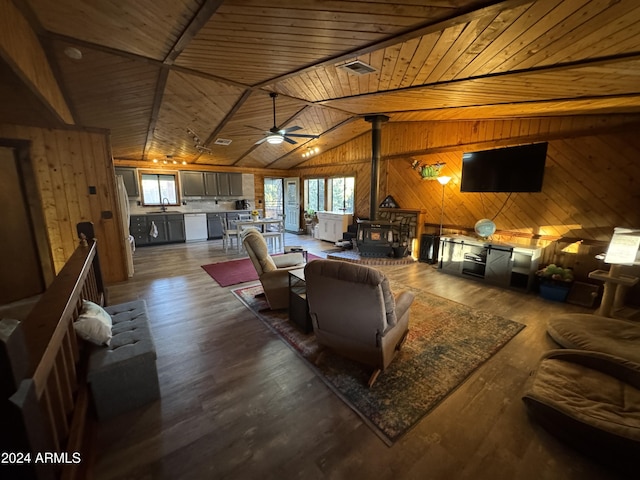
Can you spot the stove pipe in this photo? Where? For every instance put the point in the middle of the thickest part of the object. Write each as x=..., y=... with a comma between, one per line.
x=376, y=127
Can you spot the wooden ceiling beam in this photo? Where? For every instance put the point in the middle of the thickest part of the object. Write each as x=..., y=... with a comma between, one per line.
x=200, y=19
x=163, y=75
x=245, y=96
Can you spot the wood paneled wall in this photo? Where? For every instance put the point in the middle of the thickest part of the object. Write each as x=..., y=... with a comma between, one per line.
x=20, y=47
x=66, y=163
x=591, y=184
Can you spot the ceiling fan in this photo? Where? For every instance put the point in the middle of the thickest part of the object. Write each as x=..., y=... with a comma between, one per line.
x=275, y=136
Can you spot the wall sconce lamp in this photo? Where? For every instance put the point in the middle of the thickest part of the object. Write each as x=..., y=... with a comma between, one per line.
x=443, y=181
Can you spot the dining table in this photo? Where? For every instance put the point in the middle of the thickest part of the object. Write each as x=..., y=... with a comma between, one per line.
x=262, y=224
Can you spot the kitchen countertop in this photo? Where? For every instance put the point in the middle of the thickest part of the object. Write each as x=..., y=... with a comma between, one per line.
x=169, y=212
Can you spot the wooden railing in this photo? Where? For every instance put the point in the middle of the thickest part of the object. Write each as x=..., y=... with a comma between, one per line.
x=52, y=400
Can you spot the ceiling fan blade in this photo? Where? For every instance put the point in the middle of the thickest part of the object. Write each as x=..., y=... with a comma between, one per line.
x=260, y=141
x=302, y=135
x=295, y=128
x=288, y=140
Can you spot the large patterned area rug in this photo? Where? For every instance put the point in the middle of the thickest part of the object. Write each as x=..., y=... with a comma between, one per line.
x=447, y=341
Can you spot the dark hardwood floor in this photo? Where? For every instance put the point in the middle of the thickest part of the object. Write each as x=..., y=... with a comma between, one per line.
x=237, y=403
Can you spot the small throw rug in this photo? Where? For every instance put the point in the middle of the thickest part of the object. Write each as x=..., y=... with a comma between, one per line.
x=447, y=341
x=234, y=272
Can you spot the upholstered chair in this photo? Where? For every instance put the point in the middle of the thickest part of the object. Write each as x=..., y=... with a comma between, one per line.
x=273, y=272
x=354, y=312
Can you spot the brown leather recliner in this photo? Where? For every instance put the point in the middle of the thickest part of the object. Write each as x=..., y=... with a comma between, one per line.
x=354, y=312
x=273, y=272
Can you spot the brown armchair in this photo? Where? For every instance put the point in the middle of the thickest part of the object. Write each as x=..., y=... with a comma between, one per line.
x=273, y=272
x=354, y=312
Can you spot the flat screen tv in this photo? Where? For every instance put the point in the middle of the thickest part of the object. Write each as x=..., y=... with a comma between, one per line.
x=510, y=169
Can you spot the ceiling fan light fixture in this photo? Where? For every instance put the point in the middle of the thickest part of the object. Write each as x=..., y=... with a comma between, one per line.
x=275, y=139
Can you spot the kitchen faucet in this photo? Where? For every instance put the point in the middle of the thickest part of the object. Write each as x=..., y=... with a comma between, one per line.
x=164, y=207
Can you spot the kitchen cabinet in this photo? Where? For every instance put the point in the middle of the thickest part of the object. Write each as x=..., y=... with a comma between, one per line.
x=331, y=225
x=498, y=264
x=170, y=228
x=211, y=184
x=139, y=229
x=175, y=228
x=223, y=184
x=235, y=184
x=161, y=226
x=130, y=177
x=214, y=225
x=211, y=187
x=192, y=184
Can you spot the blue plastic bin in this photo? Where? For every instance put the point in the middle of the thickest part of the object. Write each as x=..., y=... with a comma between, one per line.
x=556, y=293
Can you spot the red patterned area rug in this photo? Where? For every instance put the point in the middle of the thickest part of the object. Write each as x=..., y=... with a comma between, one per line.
x=447, y=341
x=234, y=272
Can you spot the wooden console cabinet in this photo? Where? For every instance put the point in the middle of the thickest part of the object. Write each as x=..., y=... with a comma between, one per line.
x=496, y=263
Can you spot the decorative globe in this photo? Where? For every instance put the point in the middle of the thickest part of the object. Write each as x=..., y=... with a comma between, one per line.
x=485, y=227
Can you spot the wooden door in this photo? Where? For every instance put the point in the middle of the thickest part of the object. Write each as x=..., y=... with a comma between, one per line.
x=21, y=272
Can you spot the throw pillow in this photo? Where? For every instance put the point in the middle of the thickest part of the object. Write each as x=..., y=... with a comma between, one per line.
x=94, y=324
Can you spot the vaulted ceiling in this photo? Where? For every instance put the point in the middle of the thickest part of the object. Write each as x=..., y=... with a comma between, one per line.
x=171, y=77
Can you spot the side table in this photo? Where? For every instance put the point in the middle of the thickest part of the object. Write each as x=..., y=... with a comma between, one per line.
x=298, y=306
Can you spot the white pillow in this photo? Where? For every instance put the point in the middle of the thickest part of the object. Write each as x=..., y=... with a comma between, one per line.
x=94, y=324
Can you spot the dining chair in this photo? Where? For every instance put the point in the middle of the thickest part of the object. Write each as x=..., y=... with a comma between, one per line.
x=273, y=234
x=228, y=234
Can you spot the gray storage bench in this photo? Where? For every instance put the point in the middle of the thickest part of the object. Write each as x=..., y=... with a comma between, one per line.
x=123, y=376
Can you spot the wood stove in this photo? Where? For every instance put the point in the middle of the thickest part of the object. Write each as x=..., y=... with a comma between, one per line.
x=374, y=238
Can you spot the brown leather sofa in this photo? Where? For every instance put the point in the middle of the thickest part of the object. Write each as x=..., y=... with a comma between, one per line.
x=354, y=312
x=273, y=272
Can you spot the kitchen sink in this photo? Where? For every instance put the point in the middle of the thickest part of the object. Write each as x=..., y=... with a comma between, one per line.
x=160, y=211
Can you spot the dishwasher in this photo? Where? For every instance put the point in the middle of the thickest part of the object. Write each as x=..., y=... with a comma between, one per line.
x=195, y=226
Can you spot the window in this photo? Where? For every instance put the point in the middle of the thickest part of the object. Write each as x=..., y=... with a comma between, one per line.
x=314, y=194
x=273, y=197
x=157, y=187
x=341, y=194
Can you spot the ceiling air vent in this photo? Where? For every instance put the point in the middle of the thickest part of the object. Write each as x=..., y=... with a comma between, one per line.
x=223, y=141
x=358, y=67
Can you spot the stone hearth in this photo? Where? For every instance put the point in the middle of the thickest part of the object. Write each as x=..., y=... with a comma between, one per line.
x=354, y=257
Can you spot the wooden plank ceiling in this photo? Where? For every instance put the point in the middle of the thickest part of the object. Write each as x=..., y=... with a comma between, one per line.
x=170, y=77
